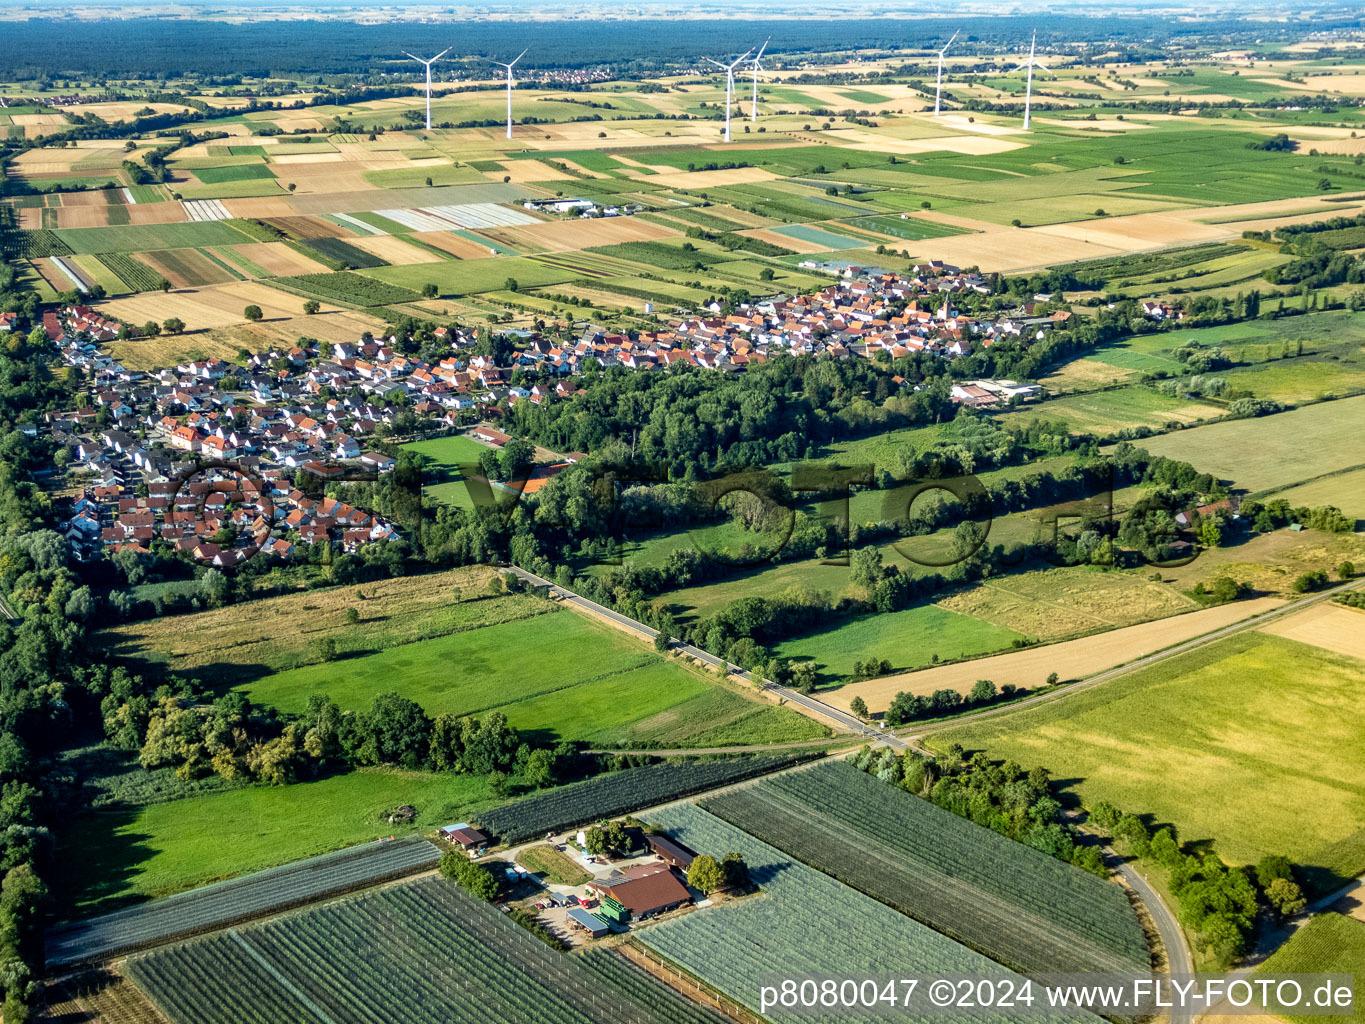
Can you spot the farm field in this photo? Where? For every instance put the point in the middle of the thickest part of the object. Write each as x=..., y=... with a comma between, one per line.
x=1270, y=562
x=1071, y=659
x=112, y=858
x=1226, y=722
x=1270, y=452
x=1346, y=491
x=1328, y=944
x=586, y=681
x=274, y=634
x=1051, y=604
x=252, y=896
x=405, y=954
x=1333, y=627
x=909, y=639
x=1026, y=910
x=1106, y=413
x=615, y=793
x=806, y=921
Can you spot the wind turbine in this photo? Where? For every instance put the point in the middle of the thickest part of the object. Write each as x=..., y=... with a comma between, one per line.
x=753, y=111
x=428, y=64
x=509, y=87
x=1031, y=63
x=938, y=92
x=729, y=70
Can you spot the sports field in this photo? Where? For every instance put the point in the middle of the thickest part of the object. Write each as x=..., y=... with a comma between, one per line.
x=1212, y=742
x=441, y=477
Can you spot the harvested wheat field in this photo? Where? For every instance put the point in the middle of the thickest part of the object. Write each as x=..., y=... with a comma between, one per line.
x=215, y=306
x=971, y=145
x=392, y=249
x=1014, y=249
x=278, y=259
x=522, y=171
x=83, y=216
x=1071, y=659
x=713, y=179
x=264, y=206
x=317, y=178
x=580, y=234
x=81, y=200
x=1333, y=627
x=460, y=248
x=157, y=213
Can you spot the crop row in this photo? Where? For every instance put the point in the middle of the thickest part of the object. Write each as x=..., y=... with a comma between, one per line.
x=346, y=287
x=657, y=254
x=420, y=953
x=862, y=812
x=343, y=252
x=42, y=242
x=238, y=899
x=137, y=276
x=618, y=792
x=1017, y=938
x=803, y=924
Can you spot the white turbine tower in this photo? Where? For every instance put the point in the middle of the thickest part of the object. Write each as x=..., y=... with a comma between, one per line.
x=1028, y=89
x=428, y=64
x=729, y=70
x=938, y=92
x=509, y=87
x=753, y=110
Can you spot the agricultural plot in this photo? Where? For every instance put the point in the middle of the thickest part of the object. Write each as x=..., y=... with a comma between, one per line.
x=1271, y=452
x=466, y=215
x=1226, y=722
x=472, y=277
x=587, y=682
x=819, y=236
x=420, y=953
x=1329, y=943
x=1302, y=380
x=658, y=254
x=1106, y=413
x=912, y=229
x=255, y=895
x=147, y=237
x=806, y=922
x=1346, y=491
x=345, y=253
x=346, y=287
x=232, y=172
x=616, y=793
x=1028, y=911
x=187, y=268
x=911, y=638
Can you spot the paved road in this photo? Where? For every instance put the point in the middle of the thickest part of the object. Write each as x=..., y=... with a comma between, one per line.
x=1107, y=675
x=1178, y=958
x=841, y=719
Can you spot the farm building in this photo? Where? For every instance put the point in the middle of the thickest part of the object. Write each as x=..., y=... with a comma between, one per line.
x=465, y=836
x=672, y=854
x=644, y=891
x=494, y=437
x=591, y=924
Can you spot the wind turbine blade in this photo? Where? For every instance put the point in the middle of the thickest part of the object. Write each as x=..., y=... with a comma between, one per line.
x=419, y=60
x=442, y=53
x=740, y=59
x=715, y=62
x=519, y=56
x=759, y=56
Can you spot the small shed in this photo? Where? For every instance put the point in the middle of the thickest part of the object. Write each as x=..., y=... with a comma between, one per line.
x=671, y=853
x=464, y=835
x=590, y=923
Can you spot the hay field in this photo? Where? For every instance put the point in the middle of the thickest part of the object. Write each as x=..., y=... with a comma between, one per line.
x=1055, y=603
x=1346, y=492
x=1215, y=742
x=392, y=249
x=278, y=259
x=1333, y=627
x=565, y=235
x=1070, y=659
x=1272, y=452
x=214, y=306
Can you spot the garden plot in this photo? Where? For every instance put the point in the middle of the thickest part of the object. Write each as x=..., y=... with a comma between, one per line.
x=467, y=215
x=199, y=210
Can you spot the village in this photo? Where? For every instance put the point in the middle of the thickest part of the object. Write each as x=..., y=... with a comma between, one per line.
x=207, y=456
